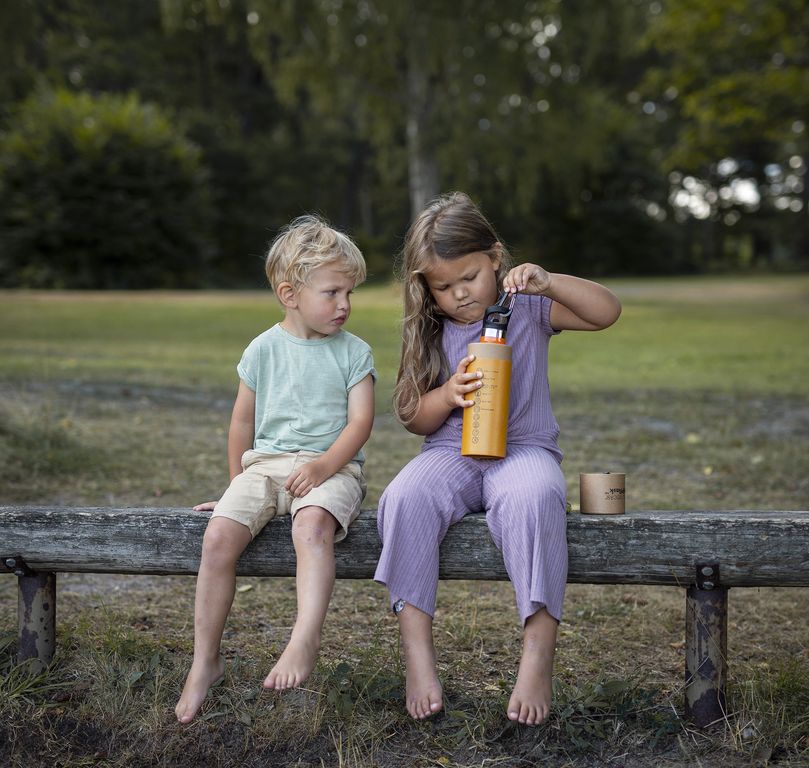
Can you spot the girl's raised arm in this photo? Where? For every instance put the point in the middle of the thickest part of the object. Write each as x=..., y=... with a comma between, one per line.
x=578, y=304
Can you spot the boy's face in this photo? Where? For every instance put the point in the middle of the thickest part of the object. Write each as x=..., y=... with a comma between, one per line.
x=464, y=288
x=322, y=304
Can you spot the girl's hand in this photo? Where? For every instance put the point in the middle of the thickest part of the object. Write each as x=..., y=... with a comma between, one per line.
x=527, y=278
x=303, y=479
x=460, y=383
x=207, y=506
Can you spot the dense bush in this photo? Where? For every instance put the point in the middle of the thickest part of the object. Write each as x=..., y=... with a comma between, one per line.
x=100, y=192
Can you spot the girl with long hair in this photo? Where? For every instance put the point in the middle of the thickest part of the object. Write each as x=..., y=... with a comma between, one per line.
x=454, y=266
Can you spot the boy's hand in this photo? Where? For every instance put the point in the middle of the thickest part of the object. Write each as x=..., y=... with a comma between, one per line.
x=527, y=278
x=207, y=506
x=460, y=383
x=309, y=476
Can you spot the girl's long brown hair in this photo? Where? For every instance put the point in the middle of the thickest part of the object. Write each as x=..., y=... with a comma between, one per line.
x=450, y=227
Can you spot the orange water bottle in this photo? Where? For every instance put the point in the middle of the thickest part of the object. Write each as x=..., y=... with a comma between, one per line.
x=485, y=424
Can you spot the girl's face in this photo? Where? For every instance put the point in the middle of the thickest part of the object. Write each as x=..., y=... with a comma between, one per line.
x=464, y=288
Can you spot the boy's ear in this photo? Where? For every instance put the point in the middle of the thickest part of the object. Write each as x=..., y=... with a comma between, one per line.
x=287, y=295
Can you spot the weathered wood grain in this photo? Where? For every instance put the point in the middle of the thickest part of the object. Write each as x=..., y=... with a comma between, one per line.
x=753, y=547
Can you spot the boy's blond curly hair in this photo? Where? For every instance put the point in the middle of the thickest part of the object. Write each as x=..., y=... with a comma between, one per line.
x=306, y=244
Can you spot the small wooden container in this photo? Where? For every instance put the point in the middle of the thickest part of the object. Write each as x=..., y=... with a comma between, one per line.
x=602, y=493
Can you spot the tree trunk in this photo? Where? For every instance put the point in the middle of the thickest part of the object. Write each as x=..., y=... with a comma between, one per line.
x=422, y=165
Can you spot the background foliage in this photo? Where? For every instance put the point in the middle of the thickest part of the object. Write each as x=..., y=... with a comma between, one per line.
x=602, y=136
x=100, y=192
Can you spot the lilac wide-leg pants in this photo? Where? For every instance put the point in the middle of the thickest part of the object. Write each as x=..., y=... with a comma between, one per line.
x=523, y=496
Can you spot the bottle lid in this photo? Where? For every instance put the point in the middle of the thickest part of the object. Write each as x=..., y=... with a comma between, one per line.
x=495, y=321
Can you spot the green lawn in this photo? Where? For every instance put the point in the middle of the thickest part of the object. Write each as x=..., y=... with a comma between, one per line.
x=737, y=335
x=745, y=335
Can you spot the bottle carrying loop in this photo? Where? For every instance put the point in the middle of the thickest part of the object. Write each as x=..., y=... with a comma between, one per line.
x=495, y=320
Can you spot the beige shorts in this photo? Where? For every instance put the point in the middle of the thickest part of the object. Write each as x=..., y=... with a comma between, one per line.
x=257, y=495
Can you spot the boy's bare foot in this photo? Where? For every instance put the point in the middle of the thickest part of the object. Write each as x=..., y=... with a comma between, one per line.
x=424, y=695
x=200, y=679
x=295, y=665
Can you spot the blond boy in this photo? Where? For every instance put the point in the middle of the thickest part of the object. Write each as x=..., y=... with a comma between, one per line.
x=303, y=411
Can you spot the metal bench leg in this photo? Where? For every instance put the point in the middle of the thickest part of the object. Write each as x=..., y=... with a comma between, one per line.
x=706, y=631
x=36, y=613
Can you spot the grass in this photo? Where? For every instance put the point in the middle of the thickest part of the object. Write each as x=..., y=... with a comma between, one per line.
x=740, y=336
x=743, y=335
x=189, y=340
x=699, y=393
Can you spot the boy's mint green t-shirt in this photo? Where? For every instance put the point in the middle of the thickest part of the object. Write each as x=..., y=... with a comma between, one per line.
x=301, y=388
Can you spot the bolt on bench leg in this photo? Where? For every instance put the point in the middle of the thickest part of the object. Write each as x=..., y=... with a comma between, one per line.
x=36, y=611
x=706, y=673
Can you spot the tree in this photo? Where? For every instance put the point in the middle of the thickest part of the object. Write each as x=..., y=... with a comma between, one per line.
x=523, y=104
x=737, y=75
x=100, y=192
x=422, y=78
x=733, y=81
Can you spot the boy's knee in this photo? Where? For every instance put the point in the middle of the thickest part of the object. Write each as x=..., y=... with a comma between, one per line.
x=313, y=525
x=224, y=540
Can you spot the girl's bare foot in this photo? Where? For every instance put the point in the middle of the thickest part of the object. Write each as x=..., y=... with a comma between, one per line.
x=200, y=678
x=295, y=665
x=530, y=701
x=424, y=695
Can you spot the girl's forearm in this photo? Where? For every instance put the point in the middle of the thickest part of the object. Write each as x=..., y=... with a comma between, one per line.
x=433, y=412
x=594, y=304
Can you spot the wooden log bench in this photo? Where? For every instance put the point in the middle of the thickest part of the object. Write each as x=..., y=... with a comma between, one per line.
x=704, y=552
